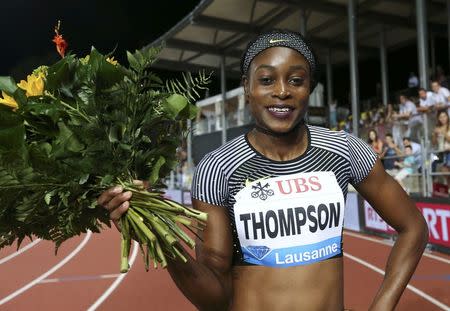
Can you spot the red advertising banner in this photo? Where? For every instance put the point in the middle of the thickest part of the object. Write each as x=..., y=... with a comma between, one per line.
x=438, y=220
x=373, y=221
x=437, y=216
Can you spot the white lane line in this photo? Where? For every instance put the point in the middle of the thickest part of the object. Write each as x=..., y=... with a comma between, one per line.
x=116, y=283
x=20, y=251
x=80, y=278
x=410, y=287
x=388, y=243
x=49, y=272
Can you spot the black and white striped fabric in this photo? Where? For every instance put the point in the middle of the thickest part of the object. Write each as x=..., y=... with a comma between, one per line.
x=223, y=173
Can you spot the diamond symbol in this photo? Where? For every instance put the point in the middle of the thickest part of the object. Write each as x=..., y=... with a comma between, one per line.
x=259, y=252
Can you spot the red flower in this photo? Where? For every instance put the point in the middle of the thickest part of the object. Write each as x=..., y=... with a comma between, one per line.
x=61, y=44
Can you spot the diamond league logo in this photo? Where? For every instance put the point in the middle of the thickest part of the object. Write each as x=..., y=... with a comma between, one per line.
x=259, y=252
x=262, y=192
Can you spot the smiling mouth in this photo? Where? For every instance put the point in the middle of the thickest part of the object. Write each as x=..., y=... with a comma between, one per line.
x=280, y=109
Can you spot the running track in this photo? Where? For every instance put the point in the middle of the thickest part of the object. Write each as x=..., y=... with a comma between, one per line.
x=84, y=276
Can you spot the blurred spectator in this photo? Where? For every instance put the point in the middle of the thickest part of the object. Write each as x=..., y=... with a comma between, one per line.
x=375, y=142
x=413, y=83
x=441, y=130
x=441, y=139
x=440, y=76
x=441, y=96
x=389, y=113
x=426, y=107
x=333, y=114
x=426, y=100
x=416, y=150
x=409, y=116
x=408, y=164
x=365, y=120
x=390, y=151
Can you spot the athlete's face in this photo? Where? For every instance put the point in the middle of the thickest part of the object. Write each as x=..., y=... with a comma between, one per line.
x=277, y=88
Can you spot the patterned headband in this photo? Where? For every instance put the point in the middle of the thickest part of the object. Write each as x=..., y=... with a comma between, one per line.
x=286, y=39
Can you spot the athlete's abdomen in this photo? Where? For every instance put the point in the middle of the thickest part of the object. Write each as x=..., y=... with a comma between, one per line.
x=314, y=287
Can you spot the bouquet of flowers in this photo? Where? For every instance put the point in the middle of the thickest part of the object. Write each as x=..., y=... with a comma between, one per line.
x=82, y=125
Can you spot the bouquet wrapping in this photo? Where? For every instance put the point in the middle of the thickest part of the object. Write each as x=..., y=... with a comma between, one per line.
x=77, y=127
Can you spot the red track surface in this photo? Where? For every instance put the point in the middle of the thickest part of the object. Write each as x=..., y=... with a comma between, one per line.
x=82, y=280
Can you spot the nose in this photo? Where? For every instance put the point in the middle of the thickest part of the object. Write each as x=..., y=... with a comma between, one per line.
x=281, y=90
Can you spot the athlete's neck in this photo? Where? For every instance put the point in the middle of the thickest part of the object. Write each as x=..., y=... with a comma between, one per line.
x=280, y=146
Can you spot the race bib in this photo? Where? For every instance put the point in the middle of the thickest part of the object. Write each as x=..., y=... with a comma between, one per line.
x=290, y=220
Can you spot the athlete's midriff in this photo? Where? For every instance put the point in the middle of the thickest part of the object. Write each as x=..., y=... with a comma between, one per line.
x=314, y=287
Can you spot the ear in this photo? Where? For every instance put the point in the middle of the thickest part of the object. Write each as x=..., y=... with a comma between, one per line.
x=244, y=80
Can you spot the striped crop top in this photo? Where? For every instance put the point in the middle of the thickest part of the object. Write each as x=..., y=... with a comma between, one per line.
x=284, y=213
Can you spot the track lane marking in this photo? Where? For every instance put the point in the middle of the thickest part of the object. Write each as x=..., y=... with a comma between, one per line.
x=116, y=283
x=80, y=278
x=20, y=251
x=356, y=235
x=49, y=272
x=410, y=287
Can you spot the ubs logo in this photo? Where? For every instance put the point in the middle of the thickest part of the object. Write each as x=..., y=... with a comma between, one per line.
x=261, y=192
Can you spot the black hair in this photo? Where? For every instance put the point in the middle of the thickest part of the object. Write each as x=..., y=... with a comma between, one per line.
x=313, y=61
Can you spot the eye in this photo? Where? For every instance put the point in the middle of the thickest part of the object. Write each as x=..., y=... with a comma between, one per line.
x=265, y=80
x=296, y=80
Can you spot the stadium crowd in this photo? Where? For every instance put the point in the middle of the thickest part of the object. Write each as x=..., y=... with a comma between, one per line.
x=399, y=131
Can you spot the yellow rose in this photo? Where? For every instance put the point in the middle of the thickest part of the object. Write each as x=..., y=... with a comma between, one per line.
x=85, y=59
x=34, y=86
x=111, y=60
x=8, y=101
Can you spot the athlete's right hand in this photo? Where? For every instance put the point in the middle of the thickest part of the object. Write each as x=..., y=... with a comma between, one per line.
x=116, y=202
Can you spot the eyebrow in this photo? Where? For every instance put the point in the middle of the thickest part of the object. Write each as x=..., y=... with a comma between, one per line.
x=293, y=67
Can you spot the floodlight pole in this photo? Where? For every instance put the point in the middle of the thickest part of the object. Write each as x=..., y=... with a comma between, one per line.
x=422, y=43
x=384, y=70
x=354, y=85
x=224, y=95
x=190, y=162
x=329, y=78
x=303, y=22
x=433, y=53
x=448, y=28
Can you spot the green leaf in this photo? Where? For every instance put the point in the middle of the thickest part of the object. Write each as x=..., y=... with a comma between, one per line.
x=83, y=179
x=66, y=140
x=154, y=176
x=51, y=110
x=64, y=196
x=113, y=134
x=60, y=75
x=48, y=197
x=93, y=204
x=175, y=104
x=193, y=110
x=132, y=61
x=106, y=74
x=106, y=180
x=20, y=97
x=12, y=130
x=8, y=85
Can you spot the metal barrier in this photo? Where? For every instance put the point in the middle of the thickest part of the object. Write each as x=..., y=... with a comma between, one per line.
x=420, y=182
x=426, y=171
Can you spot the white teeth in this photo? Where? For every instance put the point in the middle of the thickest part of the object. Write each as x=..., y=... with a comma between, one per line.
x=276, y=109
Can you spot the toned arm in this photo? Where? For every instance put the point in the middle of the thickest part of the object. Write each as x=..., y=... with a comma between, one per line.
x=390, y=201
x=206, y=280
